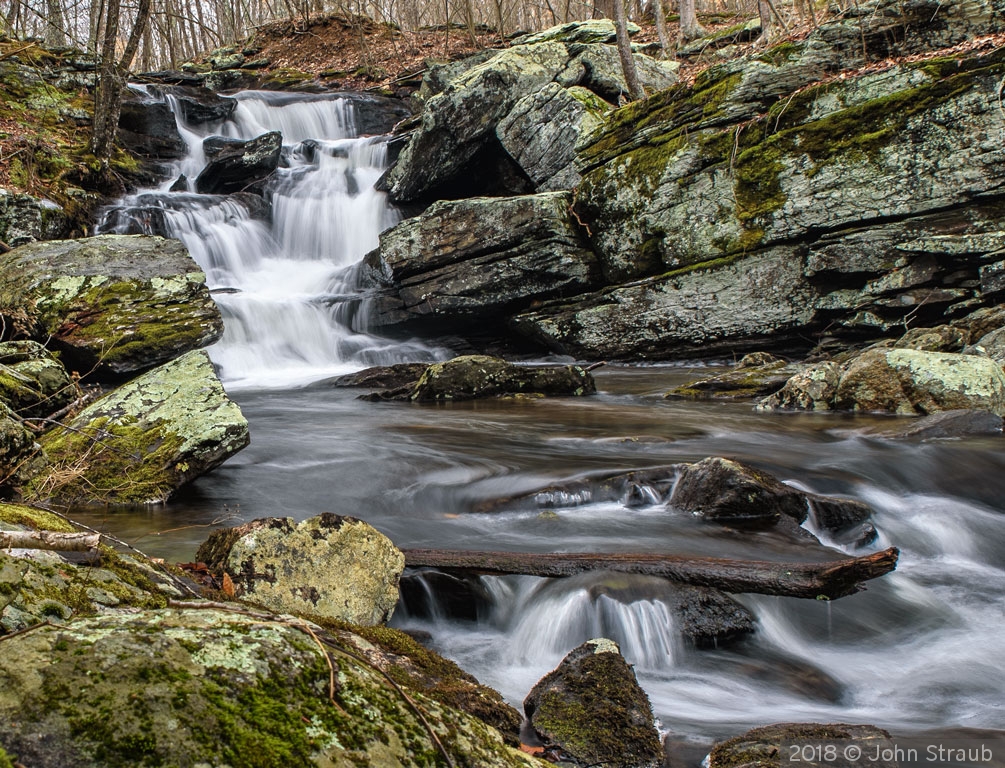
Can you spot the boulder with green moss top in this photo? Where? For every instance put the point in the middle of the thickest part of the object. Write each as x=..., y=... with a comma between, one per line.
x=24, y=219
x=327, y=566
x=144, y=440
x=117, y=304
x=474, y=376
x=462, y=265
x=764, y=747
x=902, y=381
x=542, y=131
x=38, y=586
x=32, y=381
x=213, y=687
x=592, y=710
x=756, y=375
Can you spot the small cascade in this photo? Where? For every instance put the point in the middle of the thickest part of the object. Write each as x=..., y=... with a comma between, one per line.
x=280, y=267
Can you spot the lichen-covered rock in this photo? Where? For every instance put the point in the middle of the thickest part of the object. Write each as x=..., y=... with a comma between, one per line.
x=234, y=164
x=144, y=440
x=32, y=381
x=598, y=68
x=991, y=345
x=17, y=447
x=24, y=219
x=326, y=566
x=763, y=747
x=756, y=378
x=117, y=304
x=941, y=338
x=591, y=31
x=727, y=491
x=542, y=131
x=473, y=376
x=812, y=389
x=212, y=687
x=592, y=708
x=474, y=260
x=38, y=586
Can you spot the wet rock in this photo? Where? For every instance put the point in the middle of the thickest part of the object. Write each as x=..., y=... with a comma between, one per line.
x=24, y=219
x=462, y=266
x=234, y=164
x=144, y=440
x=592, y=709
x=382, y=376
x=428, y=594
x=763, y=747
x=327, y=566
x=722, y=490
x=474, y=376
x=542, y=131
x=32, y=381
x=946, y=425
x=200, y=106
x=117, y=304
x=218, y=688
x=752, y=378
x=148, y=128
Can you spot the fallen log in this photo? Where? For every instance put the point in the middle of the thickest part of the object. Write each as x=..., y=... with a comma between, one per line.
x=50, y=540
x=828, y=580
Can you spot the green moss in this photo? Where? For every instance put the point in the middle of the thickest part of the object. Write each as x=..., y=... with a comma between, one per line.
x=124, y=462
x=34, y=518
x=5, y=759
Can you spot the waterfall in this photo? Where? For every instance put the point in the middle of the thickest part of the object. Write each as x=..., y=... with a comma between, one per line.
x=280, y=267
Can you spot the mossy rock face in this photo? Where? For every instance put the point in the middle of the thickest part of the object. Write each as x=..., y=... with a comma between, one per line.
x=763, y=747
x=144, y=440
x=209, y=687
x=327, y=566
x=591, y=706
x=17, y=449
x=117, y=303
x=24, y=219
x=32, y=381
x=474, y=376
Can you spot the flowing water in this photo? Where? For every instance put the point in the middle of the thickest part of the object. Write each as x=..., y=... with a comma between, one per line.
x=920, y=649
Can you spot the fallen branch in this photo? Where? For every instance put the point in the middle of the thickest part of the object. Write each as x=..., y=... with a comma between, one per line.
x=50, y=540
x=829, y=580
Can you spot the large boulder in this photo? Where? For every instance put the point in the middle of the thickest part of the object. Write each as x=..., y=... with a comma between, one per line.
x=474, y=376
x=902, y=381
x=147, y=126
x=474, y=260
x=234, y=164
x=592, y=710
x=144, y=440
x=32, y=381
x=117, y=304
x=24, y=219
x=326, y=566
x=215, y=687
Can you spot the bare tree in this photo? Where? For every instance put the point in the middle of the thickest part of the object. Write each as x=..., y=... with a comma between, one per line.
x=625, y=52
x=690, y=29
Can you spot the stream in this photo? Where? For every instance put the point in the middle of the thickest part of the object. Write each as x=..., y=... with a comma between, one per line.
x=921, y=649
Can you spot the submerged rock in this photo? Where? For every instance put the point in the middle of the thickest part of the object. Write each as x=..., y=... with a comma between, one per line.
x=763, y=747
x=473, y=376
x=755, y=375
x=234, y=164
x=945, y=425
x=327, y=566
x=144, y=440
x=117, y=303
x=592, y=709
x=213, y=687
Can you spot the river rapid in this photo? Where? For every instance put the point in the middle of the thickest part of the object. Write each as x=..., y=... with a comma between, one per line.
x=920, y=650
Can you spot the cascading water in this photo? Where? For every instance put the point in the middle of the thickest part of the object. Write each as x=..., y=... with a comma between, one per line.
x=281, y=268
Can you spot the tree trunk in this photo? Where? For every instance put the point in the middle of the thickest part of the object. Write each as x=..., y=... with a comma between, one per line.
x=50, y=540
x=625, y=52
x=768, y=33
x=690, y=29
x=828, y=580
x=108, y=93
x=54, y=33
x=659, y=13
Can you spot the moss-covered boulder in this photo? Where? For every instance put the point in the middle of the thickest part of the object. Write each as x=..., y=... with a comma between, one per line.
x=902, y=381
x=462, y=265
x=756, y=375
x=24, y=219
x=32, y=381
x=117, y=304
x=474, y=376
x=210, y=687
x=327, y=566
x=38, y=586
x=592, y=709
x=764, y=747
x=17, y=449
x=144, y=440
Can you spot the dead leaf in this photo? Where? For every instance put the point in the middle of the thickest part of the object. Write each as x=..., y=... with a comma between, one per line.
x=228, y=585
